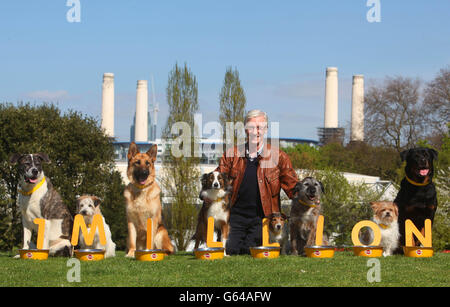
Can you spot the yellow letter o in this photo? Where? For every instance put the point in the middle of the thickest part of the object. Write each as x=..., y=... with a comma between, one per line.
x=372, y=225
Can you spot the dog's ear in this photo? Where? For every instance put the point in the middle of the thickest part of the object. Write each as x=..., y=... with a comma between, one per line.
x=77, y=203
x=14, y=158
x=204, y=179
x=229, y=181
x=132, y=150
x=226, y=178
x=284, y=216
x=404, y=154
x=43, y=156
x=152, y=152
x=297, y=188
x=97, y=200
x=374, y=205
x=433, y=153
x=321, y=187
x=395, y=209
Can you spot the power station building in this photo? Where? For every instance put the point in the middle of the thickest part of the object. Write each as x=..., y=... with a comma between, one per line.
x=331, y=132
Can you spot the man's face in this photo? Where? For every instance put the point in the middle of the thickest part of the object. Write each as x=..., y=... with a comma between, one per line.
x=255, y=129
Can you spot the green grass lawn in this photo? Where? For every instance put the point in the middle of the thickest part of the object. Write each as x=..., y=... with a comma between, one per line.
x=183, y=270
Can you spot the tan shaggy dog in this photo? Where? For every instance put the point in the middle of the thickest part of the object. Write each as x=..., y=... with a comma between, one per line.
x=142, y=202
x=385, y=214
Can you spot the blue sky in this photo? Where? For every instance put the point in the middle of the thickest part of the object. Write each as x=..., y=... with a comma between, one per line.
x=280, y=48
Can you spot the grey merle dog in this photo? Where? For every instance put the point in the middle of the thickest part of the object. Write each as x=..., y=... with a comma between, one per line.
x=305, y=211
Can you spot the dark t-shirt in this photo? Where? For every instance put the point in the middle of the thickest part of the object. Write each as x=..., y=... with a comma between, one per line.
x=248, y=201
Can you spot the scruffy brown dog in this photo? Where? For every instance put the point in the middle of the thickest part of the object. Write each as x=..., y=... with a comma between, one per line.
x=305, y=211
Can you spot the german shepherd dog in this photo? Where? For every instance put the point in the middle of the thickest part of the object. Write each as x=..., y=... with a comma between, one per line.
x=143, y=202
x=416, y=199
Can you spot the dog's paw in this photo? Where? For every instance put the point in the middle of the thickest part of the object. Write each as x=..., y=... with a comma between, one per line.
x=130, y=254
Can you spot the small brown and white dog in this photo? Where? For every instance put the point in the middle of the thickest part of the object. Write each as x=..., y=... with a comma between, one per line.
x=88, y=206
x=385, y=214
x=278, y=230
x=143, y=202
x=216, y=193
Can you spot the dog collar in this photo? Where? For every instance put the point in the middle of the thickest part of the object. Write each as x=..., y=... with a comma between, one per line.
x=27, y=193
x=306, y=204
x=417, y=183
x=142, y=186
x=384, y=226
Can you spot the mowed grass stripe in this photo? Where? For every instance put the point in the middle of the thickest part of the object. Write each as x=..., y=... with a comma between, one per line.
x=183, y=269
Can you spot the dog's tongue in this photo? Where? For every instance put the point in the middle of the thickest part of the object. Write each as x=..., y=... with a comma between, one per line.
x=32, y=180
x=423, y=172
x=142, y=182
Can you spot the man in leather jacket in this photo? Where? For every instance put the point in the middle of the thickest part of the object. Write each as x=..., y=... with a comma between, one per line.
x=258, y=172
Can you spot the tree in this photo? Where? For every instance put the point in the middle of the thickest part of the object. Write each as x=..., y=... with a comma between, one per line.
x=8, y=231
x=82, y=162
x=441, y=227
x=437, y=102
x=356, y=157
x=232, y=105
x=344, y=205
x=393, y=113
x=304, y=156
x=181, y=176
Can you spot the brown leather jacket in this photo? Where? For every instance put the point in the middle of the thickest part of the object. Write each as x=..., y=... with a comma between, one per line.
x=274, y=172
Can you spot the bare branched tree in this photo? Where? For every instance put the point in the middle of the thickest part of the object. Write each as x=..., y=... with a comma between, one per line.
x=394, y=114
x=437, y=102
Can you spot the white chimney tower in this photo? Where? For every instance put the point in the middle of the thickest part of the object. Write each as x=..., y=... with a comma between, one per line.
x=108, y=104
x=141, y=125
x=357, y=130
x=331, y=98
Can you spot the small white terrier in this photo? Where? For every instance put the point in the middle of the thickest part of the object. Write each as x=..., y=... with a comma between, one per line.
x=88, y=206
x=385, y=214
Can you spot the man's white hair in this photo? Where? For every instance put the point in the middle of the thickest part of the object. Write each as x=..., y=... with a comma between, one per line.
x=255, y=113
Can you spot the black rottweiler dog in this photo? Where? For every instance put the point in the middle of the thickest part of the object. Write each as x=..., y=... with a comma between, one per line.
x=416, y=199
